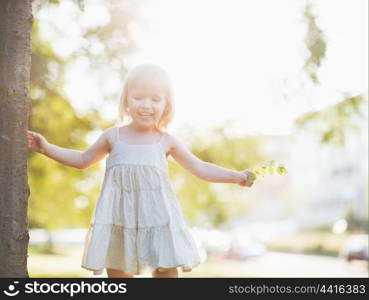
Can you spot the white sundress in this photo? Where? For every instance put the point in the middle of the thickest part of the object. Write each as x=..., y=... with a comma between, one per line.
x=137, y=225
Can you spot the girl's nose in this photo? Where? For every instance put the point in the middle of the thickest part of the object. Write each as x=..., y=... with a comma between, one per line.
x=146, y=102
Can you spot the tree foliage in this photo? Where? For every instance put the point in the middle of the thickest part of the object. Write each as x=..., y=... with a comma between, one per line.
x=315, y=44
x=209, y=203
x=332, y=124
x=62, y=196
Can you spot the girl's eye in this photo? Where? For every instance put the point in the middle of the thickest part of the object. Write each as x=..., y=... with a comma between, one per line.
x=139, y=97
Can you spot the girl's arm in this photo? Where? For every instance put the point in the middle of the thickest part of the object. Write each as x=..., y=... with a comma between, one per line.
x=73, y=158
x=204, y=170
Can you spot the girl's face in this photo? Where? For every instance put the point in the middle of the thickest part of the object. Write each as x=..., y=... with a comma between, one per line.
x=146, y=104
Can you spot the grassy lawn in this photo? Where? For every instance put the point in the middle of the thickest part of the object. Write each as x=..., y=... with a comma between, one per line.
x=66, y=262
x=322, y=243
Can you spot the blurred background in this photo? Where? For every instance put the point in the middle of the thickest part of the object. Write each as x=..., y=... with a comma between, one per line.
x=254, y=81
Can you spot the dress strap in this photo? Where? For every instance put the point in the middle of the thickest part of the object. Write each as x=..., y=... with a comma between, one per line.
x=117, y=135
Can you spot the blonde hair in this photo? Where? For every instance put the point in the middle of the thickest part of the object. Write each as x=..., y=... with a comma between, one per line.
x=147, y=74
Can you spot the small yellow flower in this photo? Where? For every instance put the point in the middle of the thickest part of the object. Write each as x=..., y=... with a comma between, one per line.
x=271, y=167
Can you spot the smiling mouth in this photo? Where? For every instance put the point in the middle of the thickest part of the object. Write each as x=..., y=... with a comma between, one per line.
x=145, y=115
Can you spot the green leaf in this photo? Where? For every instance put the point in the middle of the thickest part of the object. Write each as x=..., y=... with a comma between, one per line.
x=251, y=176
x=271, y=170
x=281, y=170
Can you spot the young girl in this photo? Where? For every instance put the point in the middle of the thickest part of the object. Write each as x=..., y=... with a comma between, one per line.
x=137, y=225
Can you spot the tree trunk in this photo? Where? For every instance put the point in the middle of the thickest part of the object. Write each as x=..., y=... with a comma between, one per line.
x=15, y=63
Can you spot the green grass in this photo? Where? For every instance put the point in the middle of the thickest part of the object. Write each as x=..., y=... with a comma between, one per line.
x=66, y=261
x=321, y=243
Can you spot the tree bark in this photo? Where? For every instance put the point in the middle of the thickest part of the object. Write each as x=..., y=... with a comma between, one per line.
x=15, y=63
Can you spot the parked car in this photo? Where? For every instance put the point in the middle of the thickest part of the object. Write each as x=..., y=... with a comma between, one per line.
x=356, y=248
x=245, y=248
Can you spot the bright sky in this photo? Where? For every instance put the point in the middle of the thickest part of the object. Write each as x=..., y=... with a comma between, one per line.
x=236, y=59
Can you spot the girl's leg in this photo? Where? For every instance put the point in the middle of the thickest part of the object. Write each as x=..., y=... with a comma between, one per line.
x=171, y=273
x=112, y=273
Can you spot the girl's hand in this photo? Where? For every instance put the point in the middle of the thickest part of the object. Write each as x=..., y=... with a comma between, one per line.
x=245, y=182
x=36, y=142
